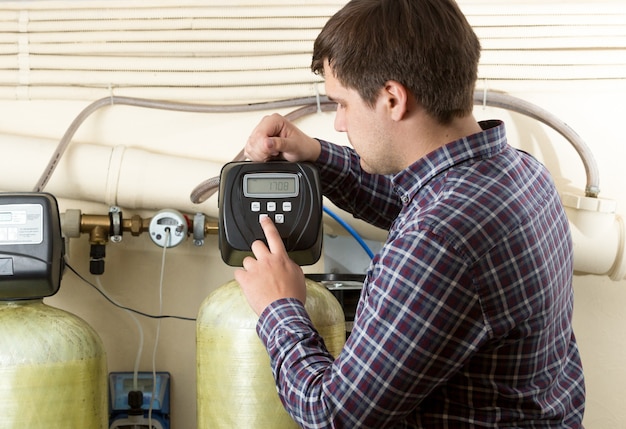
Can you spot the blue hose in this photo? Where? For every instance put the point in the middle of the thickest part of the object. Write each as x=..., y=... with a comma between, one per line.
x=351, y=230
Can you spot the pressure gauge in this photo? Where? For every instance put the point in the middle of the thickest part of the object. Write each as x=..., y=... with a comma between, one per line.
x=168, y=228
x=289, y=193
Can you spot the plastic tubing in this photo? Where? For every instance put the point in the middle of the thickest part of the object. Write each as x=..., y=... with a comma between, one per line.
x=351, y=230
x=158, y=328
x=163, y=64
x=103, y=78
x=309, y=105
x=152, y=104
x=49, y=11
x=229, y=95
x=207, y=188
x=139, y=330
x=486, y=98
x=508, y=102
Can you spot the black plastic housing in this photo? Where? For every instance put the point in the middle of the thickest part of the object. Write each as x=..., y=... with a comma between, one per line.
x=239, y=226
x=31, y=246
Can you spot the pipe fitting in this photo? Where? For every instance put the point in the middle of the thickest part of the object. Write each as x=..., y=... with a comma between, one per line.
x=619, y=269
x=598, y=235
x=136, y=225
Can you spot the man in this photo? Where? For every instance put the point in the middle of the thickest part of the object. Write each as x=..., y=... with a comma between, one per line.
x=464, y=319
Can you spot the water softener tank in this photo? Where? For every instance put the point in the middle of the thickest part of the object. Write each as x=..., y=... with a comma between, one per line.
x=52, y=369
x=52, y=363
x=235, y=384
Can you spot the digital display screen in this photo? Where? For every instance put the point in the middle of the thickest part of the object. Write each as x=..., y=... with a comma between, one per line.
x=270, y=185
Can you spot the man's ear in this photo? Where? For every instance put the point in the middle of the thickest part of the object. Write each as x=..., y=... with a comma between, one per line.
x=397, y=99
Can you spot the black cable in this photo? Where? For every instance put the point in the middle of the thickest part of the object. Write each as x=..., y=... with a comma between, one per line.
x=141, y=313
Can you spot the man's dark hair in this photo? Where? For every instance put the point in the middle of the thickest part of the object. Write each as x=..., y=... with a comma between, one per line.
x=426, y=45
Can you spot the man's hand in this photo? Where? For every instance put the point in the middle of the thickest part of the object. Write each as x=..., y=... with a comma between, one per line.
x=271, y=275
x=275, y=137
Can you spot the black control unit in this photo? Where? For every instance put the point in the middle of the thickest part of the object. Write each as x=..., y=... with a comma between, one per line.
x=289, y=193
x=31, y=246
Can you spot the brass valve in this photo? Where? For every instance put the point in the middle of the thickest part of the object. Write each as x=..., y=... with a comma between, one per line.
x=102, y=228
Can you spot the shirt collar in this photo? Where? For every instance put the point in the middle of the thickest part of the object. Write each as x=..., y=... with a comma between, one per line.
x=477, y=146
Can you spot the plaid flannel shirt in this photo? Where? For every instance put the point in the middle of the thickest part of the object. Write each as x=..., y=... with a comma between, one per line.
x=464, y=318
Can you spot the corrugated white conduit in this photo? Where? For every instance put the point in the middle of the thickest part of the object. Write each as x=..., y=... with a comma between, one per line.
x=313, y=105
x=241, y=52
x=153, y=104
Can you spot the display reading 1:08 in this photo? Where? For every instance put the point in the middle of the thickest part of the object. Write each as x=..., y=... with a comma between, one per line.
x=258, y=185
x=280, y=186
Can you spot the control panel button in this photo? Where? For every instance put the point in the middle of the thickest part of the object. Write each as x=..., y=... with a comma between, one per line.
x=271, y=206
x=255, y=206
x=287, y=206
